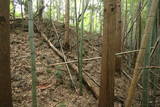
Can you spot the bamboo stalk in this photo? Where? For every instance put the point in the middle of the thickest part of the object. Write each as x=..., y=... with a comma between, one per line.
x=139, y=61
x=32, y=47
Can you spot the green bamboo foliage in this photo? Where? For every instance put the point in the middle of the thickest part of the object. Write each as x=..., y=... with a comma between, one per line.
x=32, y=47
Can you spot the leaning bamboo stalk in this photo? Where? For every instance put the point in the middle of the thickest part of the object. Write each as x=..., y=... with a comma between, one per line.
x=140, y=57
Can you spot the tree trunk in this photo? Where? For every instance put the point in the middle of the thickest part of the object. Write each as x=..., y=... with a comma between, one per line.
x=140, y=57
x=5, y=77
x=66, y=36
x=106, y=98
x=118, y=34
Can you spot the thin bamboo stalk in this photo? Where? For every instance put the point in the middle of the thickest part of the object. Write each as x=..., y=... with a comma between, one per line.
x=33, y=63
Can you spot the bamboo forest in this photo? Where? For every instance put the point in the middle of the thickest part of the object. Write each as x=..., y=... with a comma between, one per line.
x=79, y=53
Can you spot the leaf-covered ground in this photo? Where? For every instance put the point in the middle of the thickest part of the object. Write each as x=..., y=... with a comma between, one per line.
x=54, y=87
x=52, y=90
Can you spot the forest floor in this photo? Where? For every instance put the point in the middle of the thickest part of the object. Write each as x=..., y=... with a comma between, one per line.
x=54, y=87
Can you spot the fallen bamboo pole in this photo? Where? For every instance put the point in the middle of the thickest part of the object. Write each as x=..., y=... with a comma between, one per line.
x=127, y=52
x=74, y=61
